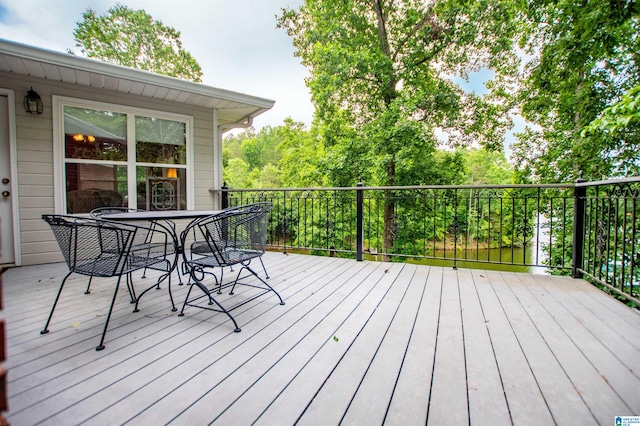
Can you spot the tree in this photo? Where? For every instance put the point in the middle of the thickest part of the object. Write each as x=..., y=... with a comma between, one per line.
x=133, y=39
x=586, y=55
x=619, y=127
x=303, y=157
x=378, y=79
x=486, y=167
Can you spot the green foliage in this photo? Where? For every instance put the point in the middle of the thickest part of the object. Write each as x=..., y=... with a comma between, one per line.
x=132, y=38
x=586, y=57
x=486, y=167
x=618, y=117
x=236, y=174
x=378, y=85
x=274, y=157
x=618, y=126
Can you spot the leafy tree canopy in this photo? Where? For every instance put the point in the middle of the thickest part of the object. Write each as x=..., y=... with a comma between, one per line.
x=379, y=79
x=282, y=156
x=484, y=167
x=586, y=57
x=132, y=38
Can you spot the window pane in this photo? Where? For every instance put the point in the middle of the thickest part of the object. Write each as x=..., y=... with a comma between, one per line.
x=160, y=141
x=92, y=134
x=161, y=188
x=90, y=186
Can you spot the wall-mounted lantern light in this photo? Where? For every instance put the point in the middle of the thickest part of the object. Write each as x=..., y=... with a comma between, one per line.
x=32, y=102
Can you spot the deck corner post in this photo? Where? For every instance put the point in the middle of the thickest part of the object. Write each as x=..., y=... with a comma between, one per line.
x=359, y=221
x=579, y=200
x=225, y=196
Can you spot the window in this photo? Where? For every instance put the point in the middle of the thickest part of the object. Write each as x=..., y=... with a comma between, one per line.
x=114, y=157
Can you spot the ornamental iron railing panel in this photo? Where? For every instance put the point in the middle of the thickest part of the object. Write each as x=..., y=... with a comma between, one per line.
x=586, y=229
x=611, y=230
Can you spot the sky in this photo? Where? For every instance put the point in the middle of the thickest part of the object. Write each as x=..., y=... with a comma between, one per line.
x=236, y=43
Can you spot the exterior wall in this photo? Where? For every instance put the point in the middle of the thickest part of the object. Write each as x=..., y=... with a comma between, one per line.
x=34, y=140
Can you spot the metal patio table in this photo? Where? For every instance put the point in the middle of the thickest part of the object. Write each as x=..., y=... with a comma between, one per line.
x=168, y=216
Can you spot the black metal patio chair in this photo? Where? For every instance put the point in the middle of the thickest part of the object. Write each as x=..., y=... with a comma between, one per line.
x=200, y=246
x=232, y=237
x=100, y=248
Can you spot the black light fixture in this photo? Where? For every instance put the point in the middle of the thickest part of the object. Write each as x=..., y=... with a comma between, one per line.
x=32, y=102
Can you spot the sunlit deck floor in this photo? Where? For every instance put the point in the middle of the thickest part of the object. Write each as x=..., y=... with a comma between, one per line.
x=357, y=342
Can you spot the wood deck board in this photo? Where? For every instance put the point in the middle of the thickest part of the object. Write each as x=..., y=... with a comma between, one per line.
x=358, y=342
x=219, y=358
x=410, y=401
x=487, y=400
x=294, y=329
x=300, y=360
x=523, y=395
x=564, y=403
x=449, y=402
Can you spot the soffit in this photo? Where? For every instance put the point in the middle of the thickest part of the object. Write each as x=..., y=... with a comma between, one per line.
x=233, y=107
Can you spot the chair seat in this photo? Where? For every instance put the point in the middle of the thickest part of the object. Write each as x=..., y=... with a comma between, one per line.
x=227, y=257
x=136, y=262
x=107, y=265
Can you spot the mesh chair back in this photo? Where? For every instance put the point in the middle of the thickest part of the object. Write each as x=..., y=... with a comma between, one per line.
x=101, y=211
x=236, y=235
x=92, y=247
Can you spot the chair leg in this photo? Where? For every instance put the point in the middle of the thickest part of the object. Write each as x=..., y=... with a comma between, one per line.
x=132, y=291
x=263, y=267
x=156, y=286
x=258, y=277
x=211, y=300
x=220, y=282
x=106, y=324
x=181, y=314
x=45, y=330
x=88, y=286
x=173, y=305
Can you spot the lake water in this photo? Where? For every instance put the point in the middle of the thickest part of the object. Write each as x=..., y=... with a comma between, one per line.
x=506, y=259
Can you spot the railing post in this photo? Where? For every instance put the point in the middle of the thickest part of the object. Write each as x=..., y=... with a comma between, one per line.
x=359, y=222
x=579, y=201
x=225, y=196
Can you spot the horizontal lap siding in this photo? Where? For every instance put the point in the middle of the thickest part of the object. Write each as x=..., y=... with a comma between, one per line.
x=34, y=139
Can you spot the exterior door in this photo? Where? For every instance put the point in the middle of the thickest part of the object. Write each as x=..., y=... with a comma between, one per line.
x=7, y=255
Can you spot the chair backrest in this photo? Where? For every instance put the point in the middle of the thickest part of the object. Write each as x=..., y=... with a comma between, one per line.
x=101, y=211
x=90, y=246
x=238, y=234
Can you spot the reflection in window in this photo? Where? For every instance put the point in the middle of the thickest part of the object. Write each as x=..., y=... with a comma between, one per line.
x=91, y=134
x=90, y=186
x=160, y=141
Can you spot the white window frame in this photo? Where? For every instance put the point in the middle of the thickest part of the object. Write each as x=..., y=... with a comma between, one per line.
x=59, y=102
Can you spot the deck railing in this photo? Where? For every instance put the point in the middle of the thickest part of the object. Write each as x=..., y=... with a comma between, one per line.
x=583, y=228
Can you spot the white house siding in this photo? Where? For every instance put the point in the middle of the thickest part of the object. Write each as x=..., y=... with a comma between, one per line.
x=34, y=139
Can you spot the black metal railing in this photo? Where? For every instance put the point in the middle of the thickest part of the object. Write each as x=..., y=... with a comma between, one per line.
x=610, y=231
x=586, y=228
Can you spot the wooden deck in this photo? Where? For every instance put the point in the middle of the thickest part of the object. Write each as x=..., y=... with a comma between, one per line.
x=357, y=343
